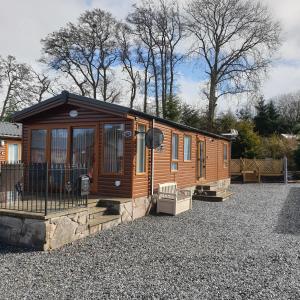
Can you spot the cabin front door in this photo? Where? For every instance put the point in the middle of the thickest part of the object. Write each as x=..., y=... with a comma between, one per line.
x=201, y=160
x=83, y=151
x=75, y=146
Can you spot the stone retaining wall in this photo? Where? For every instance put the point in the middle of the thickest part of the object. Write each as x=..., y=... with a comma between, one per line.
x=61, y=229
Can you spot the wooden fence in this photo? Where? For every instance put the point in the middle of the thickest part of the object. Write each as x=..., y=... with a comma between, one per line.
x=262, y=167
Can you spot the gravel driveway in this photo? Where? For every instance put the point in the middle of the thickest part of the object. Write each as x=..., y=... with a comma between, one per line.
x=245, y=248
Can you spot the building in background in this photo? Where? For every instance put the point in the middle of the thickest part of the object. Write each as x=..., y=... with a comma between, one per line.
x=10, y=142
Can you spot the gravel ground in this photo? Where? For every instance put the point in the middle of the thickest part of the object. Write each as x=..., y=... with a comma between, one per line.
x=245, y=248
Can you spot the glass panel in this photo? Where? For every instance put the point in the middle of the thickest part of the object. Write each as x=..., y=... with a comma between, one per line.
x=59, y=142
x=202, y=159
x=187, y=148
x=113, y=147
x=13, y=153
x=225, y=152
x=141, y=149
x=174, y=166
x=174, y=146
x=83, y=148
x=38, y=146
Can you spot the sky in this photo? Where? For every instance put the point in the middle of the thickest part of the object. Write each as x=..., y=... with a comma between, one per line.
x=23, y=23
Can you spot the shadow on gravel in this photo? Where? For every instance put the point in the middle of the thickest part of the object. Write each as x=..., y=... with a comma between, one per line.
x=289, y=217
x=8, y=249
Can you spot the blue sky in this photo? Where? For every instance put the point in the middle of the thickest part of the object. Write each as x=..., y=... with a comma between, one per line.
x=32, y=19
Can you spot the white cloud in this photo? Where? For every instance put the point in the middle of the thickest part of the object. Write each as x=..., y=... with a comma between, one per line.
x=24, y=23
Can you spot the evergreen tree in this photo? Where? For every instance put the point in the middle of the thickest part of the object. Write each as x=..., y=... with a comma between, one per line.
x=173, y=109
x=193, y=117
x=261, y=120
x=274, y=118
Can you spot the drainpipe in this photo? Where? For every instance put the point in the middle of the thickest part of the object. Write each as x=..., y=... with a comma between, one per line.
x=152, y=160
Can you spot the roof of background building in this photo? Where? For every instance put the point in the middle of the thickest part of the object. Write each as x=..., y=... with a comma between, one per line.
x=10, y=130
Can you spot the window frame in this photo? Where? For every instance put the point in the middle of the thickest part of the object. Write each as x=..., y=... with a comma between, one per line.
x=145, y=152
x=225, y=161
x=102, y=149
x=46, y=151
x=175, y=161
x=191, y=141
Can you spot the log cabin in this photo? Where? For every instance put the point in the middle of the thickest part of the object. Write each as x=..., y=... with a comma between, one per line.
x=10, y=142
x=110, y=139
x=68, y=131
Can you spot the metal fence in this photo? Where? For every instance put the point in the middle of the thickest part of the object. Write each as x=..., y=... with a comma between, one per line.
x=43, y=188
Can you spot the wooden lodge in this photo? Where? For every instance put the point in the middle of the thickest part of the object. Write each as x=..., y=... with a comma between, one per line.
x=109, y=138
x=72, y=142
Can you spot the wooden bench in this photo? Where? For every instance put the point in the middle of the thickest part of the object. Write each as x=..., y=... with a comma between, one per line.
x=172, y=200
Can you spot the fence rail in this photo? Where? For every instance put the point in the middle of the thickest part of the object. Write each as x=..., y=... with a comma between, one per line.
x=265, y=167
x=41, y=188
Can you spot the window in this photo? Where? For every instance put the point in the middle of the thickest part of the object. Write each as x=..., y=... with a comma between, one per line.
x=113, y=148
x=59, y=141
x=141, y=149
x=225, y=155
x=174, y=163
x=38, y=146
x=187, y=148
x=13, y=153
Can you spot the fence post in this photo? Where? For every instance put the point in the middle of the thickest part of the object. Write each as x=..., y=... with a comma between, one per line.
x=285, y=170
x=46, y=192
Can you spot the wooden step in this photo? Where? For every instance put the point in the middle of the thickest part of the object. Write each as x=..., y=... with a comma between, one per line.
x=95, y=212
x=220, y=198
x=106, y=221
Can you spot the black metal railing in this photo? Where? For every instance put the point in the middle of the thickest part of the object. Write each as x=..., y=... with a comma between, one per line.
x=43, y=188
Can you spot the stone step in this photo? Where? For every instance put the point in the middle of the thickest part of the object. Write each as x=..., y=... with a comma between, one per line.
x=93, y=202
x=207, y=187
x=95, y=212
x=217, y=193
x=220, y=198
x=106, y=222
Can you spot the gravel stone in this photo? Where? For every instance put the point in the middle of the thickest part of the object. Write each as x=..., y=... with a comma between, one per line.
x=245, y=248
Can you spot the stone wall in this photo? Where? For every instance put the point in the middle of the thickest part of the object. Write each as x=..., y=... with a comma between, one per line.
x=23, y=232
x=66, y=229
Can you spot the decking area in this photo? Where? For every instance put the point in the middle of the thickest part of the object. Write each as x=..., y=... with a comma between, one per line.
x=245, y=248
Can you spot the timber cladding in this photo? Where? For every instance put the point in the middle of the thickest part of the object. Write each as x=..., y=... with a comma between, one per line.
x=187, y=173
x=129, y=182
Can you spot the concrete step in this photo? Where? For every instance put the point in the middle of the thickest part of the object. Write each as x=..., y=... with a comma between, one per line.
x=220, y=198
x=107, y=221
x=95, y=212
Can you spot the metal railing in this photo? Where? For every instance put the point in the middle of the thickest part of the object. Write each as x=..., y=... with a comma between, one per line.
x=41, y=187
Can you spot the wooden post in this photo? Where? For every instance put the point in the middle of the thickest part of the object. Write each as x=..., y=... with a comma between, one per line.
x=285, y=170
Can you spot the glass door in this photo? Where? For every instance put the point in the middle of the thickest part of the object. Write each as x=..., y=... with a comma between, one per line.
x=59, y=147
x=201, y=160
x=83, y=149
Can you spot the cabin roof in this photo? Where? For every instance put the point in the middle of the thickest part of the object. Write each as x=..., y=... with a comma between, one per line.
x=66, y=97
x=10, y=130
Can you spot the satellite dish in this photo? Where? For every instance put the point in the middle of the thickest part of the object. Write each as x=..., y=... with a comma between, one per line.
x=154, y=138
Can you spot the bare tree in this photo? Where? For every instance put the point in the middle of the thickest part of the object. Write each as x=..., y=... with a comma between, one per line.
x=235, y=39
x=128, y=57
x=158, y=28
x=15, y=79
x=144, y=59
x=86, y=52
